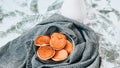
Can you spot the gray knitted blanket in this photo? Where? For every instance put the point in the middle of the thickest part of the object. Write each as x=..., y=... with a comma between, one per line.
x=19, y=53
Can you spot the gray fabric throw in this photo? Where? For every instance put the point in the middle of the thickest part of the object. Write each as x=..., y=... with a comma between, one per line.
x=20, y=53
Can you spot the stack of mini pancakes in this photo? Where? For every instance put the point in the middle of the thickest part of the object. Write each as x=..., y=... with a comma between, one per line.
x=56, y=47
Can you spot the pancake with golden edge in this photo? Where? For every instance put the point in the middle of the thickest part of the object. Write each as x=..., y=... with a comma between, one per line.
x=68, y=47
x=60, y=55
x=58, y=41
x=42, y=40
x=45, y=52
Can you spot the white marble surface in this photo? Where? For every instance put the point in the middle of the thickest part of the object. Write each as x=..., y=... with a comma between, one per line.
x=18, y=16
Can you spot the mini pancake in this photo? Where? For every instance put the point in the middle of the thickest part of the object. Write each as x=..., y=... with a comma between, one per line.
x=42, y=40
x=68, y=47
x=60, y=55
x=58, y=35
x=45, y=52
x=57, y=44
x=58, y=41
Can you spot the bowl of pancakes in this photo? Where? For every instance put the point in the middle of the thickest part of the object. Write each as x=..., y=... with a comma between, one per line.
x=55, y=47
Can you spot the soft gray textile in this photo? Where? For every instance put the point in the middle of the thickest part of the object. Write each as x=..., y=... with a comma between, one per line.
x=19, y=53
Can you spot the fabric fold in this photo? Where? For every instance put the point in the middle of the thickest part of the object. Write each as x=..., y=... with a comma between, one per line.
x=20, y=52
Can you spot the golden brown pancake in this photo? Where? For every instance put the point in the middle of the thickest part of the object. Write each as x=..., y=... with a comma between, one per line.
x=60, y=55
x=42, y=40
x=58, y=41
x=58, y=35
x=68, y=47
x=45, y=52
